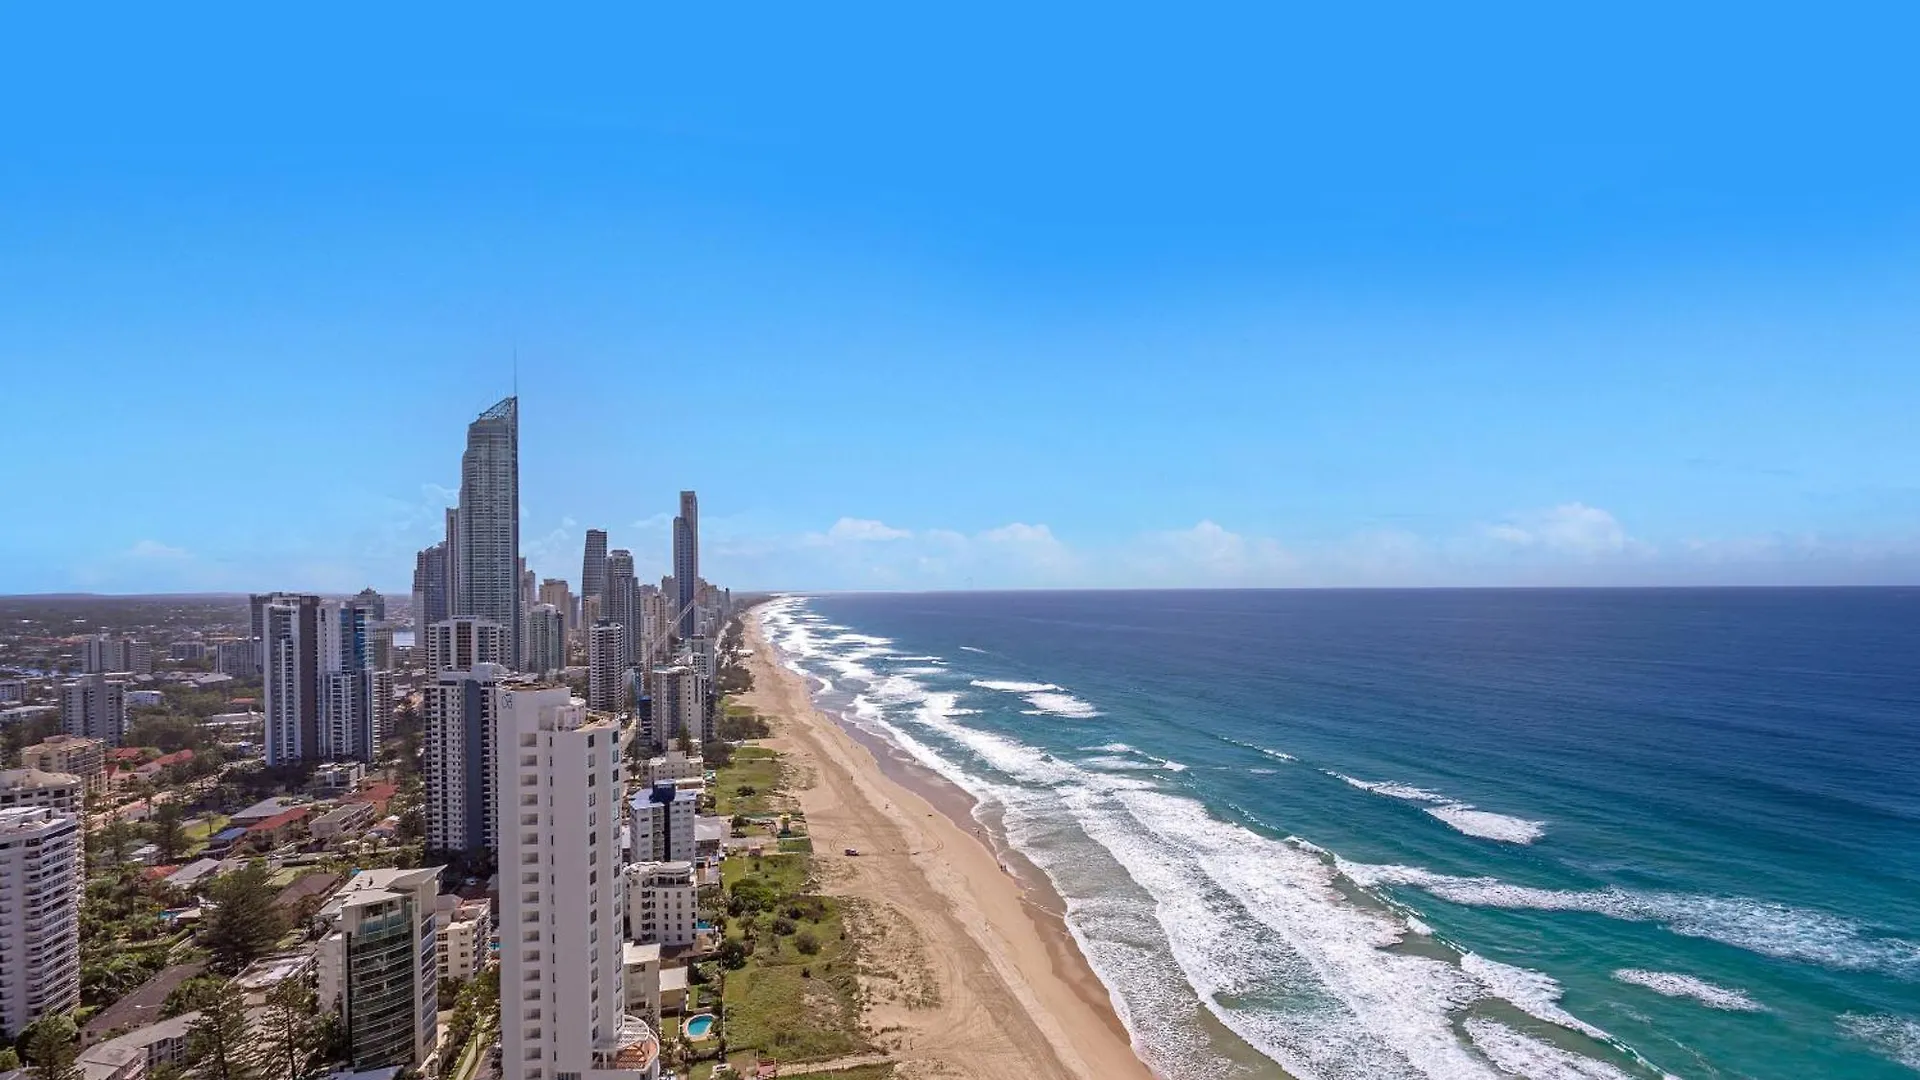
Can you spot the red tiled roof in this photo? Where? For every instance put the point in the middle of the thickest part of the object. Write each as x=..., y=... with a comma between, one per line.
x=285, y=817
x=175, y=758
x=155, y=873
x=127, y=753
x=378, y=792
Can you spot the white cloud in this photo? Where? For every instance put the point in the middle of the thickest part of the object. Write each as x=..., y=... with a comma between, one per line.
x=661, y=521
x=861, y=530
x=1019, y=532
x=1211, y=554
x=1571, y=528
x=154, y=549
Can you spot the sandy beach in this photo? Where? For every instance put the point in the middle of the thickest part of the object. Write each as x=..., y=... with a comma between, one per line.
x=975, y=974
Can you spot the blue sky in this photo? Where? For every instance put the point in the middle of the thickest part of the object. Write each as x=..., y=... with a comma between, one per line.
x=1096, y=295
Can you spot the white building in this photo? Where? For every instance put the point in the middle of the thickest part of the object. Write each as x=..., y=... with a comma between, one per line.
x=460, y=718
x=458, y=644
x=660, y=823
x=606, y=665
x=139, y=1052
x=145, y=699
x=642, y=964
x=380, y=966
x=546, y=639
x=63, y=793
x=39, y=915
x=673, y=765
x=679, y=707
x=662, y=903
x=563, y=1009
x=463, y=928
x=237, y=658
x=94, y=707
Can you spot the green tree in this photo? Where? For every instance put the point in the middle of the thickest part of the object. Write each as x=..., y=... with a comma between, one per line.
x=53, y=1048
x=9, y=1060
x=243, y=922
x=167, y=830
x=289, y=1031
x=219, y=1045
x=114, y=837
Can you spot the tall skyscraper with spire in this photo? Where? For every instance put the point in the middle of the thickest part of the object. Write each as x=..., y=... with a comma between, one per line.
x=618, y=603
x=487, y=540
x=593, y=566
x=686, y=562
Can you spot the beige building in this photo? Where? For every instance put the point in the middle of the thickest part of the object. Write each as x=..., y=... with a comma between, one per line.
x=673, y=765
x=140, y=1051
x=462, y=928
x=82, y=757
x=641, y=966
x=40, y=871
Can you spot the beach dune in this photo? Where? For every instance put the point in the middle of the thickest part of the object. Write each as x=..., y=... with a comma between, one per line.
x=974, y=976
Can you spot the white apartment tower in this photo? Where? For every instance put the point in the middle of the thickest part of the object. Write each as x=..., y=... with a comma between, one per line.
x=460, y=717
x=606, y=666
x=39, y=915
x=660, y=823
x=487, y=582
x=546, y=639
x=94, y=707
x=562, y=992
x=662, y=903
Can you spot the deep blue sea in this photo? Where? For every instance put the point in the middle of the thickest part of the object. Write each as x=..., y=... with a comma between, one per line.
x=1583, y=833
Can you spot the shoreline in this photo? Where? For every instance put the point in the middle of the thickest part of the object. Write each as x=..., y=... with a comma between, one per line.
x=976, y=925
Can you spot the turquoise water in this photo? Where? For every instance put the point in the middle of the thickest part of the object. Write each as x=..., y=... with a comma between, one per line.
x=1440, y=834
x=698, y=1026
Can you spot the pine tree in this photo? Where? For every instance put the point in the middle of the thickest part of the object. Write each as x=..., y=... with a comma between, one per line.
x=242, y=923
x=54, y=1050
x=289, y=1031
x=219, y=1044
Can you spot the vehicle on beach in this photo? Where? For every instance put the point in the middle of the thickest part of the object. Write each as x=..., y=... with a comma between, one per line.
x=852, y=852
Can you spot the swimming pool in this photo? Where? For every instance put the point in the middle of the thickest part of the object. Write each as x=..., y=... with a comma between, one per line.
x=699, y=1026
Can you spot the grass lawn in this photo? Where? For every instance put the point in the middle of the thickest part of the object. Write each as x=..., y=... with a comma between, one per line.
x=201, y=829
x=787, y=1004
x=754, y=767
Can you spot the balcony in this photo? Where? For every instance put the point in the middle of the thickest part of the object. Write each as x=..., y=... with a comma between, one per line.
x=633, y=1047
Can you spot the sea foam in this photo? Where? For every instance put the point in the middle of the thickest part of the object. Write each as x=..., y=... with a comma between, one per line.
x=1759, y=926
x=1894, y=1037
x=1462, y=817
x=1524, y=1055
x=1675, y=985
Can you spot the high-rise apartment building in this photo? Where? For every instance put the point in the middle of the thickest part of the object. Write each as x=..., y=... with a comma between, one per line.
x=61, y=792
x=94, y=707
x=459, y=718
x=40, y=867
x=293, y=645
x=617, y=604
x=487, y=548
x=432, y=601
x=562, y=993
x=593, y=565
x=379, y=967
x=662, y=903
x=83, y=757
x=679, y=707
x=373, y=602
x=101, y=653
x=546, y=639
x=606, y=666
x=459, y=643
x=356, y=697
x=554, y=591
x=686, y=563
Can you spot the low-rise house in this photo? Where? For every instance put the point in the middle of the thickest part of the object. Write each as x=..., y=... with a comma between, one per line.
x=673, y=765
x=278, y=829
x=640, y=968
x=190, y=877
x=262, y=810
x=140, y=1051
x=337, y=778
x=343, y=820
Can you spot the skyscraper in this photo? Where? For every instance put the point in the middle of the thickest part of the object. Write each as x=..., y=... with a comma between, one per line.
x=561, y=974
x=291, y=650
x=617, y=603
x=546, y=639
x=554, y=591
x=606, y=665
x=459, y=644
x=686, y=563
x=355, y=702
x=593, y=566
x=461, y=709
x=431, y=601
x=94, y=707
x=41, y=867
x=487, y=547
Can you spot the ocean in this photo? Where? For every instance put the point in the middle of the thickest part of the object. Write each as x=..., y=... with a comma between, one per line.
x=1475, y=833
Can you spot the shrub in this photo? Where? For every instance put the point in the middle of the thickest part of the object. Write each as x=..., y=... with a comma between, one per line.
x=807, y=943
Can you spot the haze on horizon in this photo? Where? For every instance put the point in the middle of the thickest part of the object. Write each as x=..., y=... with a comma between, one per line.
x=1092, y=296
